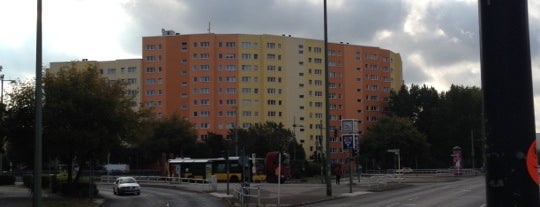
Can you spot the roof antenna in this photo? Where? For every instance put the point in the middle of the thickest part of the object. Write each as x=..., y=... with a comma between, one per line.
x=209, y=27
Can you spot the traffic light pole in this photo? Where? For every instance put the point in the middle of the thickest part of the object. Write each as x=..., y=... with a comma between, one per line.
x=509, y=124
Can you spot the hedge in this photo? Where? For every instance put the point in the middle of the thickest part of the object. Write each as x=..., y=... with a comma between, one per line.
x=7, y=180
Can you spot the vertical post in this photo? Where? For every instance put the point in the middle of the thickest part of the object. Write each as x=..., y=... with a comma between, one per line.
x=509, y=124
x=279, y=179
x=37, y=201
x=227, y=165
x=472, y=150
x=327, y=104
x=350, y=168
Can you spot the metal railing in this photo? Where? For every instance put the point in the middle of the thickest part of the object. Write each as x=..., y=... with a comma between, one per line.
x=243, y=192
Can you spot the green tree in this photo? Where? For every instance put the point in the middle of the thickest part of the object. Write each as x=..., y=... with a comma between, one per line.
x=168, y=138
x=447, y=119
x=19, y=124
x=393, y=133
x=263, y=138
x=85, y=116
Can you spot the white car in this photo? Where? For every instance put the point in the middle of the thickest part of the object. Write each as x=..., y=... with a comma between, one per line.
x=125, y=185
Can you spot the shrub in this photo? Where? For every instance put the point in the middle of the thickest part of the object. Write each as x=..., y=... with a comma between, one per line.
x=28, y=180
x=77, y=189
x=7, y=180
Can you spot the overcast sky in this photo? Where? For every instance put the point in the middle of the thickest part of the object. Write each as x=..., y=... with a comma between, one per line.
x=438, y=39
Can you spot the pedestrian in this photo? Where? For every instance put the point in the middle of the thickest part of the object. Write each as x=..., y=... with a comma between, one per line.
x=338, y=173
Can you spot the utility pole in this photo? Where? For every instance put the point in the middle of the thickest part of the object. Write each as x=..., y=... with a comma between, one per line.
x=509, y=124
x=37, y=201
x=327, y=107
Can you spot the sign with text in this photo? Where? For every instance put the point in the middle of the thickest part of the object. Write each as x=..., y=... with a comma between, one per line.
x=349, y=141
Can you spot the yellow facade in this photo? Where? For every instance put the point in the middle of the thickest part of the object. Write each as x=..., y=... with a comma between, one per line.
x=127, y=71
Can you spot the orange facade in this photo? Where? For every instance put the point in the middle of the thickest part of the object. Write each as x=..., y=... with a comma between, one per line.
x=220, y=81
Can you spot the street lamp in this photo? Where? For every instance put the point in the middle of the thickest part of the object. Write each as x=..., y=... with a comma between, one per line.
x=2, y=102
x=2, y=86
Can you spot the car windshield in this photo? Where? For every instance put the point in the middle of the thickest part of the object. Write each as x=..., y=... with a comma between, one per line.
x=127, y=180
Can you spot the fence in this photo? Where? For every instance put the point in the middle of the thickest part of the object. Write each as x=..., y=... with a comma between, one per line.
x=243, y=192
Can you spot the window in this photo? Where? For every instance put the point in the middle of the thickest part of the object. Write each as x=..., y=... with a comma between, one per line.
x=150, y=92
x=205, y=90
x=271, y=79
x=318, y=60
x=150, y=81
x=205, y=79
x=205, y=67
x=150, y=58
x=271, y=68
x=270, y=45
x=111, y=71
x=205, y=102
x=132, y=70
x=318, y=93
x=318, y=72
x=132, y=80
x=150, y=70
x=231, y=102
x=205, y=113
x=246, y=79
x=271, y=56
x=246, y=56
x=271, y=90
x=230, y=44
x=231, y=90
x=246, y=67
x=205, y=56
x=230, y=68
x=246, y=45
x=230, y=56
x=150, y=47
x=246, y=90
x=205, y=44
x=230, y=79
x=317, y=50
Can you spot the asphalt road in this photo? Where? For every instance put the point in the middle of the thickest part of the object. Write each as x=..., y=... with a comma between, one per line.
x=165, y=197
x=468, y=192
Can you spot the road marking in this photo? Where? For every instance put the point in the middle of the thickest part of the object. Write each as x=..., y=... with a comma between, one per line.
x=393, y=204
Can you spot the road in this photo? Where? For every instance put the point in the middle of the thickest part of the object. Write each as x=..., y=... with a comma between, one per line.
x=165, y=197
x=468, y=192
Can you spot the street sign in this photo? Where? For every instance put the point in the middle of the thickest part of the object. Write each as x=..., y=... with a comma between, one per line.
x=349, y=141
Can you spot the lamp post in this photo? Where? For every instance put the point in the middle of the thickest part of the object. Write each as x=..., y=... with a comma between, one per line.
x=2, y=102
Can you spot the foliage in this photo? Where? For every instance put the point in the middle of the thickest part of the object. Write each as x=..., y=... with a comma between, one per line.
x=19, y=122
x=84, y=116
x=7, y=180
x=393, y=133
x=447, y=119
x=263, y=138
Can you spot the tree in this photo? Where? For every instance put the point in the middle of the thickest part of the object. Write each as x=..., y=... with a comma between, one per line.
x=19, y=124
x=85, y=116
x=263, y=138
x=393, y=133
x=168, y=138
x=447, y=119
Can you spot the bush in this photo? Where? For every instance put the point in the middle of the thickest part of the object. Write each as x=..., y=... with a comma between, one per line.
x=7, y=180
x=28, y=180
x=312, y=169
x=77, y=189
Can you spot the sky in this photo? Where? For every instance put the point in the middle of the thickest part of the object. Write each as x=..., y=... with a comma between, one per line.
x=438, y=39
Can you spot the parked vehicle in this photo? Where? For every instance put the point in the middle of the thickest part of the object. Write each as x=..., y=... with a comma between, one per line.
x=126, y=185
x=273, y=167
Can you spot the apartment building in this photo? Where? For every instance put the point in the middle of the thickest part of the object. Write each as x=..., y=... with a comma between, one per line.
x=127, y=71
x=222, y=81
